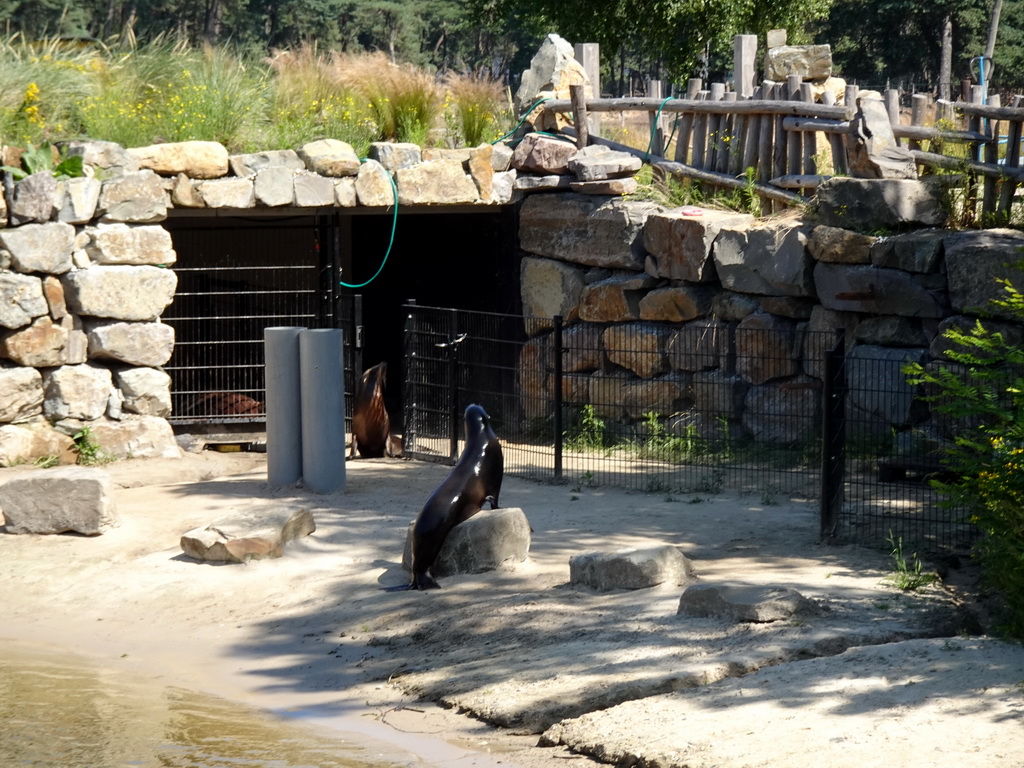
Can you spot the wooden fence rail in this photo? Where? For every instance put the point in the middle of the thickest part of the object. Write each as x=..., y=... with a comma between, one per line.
x=780, y=139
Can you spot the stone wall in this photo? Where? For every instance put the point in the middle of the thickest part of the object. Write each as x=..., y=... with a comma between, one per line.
x=690, y=312
x=84, y=269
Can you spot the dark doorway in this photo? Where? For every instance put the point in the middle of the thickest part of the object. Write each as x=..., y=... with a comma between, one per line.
x=240, y=273
x=461, y=260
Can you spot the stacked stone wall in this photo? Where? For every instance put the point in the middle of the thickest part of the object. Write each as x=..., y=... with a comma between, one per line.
x=85, y=268
x=717, y=320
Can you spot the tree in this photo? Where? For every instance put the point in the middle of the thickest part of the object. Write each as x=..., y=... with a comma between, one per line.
x=900, y=40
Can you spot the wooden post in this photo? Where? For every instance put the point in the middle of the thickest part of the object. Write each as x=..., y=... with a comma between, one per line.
x=714, y=128
x=779, y=152
x=744, y=64
x=764, y=139
x=918, y=108
x=988, y=200
x=751, y=136
x=810, y=139
x=579, y=115
x=589, y=55
x=892, y=106
x=731, y=153
x=655, y=90
x=700, y=135
x=1013, y=138
x=794, y=141
x=850, y=98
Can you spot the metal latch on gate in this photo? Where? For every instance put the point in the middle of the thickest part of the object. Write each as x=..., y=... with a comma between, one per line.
x=457, y=340
x=359, y=337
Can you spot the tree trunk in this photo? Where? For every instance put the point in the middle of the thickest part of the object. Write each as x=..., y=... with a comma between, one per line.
x=993, y=28
x=946, y=58
x=211, y=26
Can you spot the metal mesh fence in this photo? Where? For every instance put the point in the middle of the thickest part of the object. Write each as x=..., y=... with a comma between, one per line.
x=688, y=411
x=232, y=284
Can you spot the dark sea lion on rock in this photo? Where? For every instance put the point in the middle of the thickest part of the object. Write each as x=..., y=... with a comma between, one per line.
x=474, y=480
x=371, y=425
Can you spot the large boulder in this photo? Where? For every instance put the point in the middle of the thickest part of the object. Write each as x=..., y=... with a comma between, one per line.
x=21, y=299
x=488, y=541
x=768, y=258
x=587, y=230
x=975, y=262
x=137, y=197
x=767, y=347
x=543, y=155
x=330, y=157
x=552, y=70
x=128, y=244
x=877, y=383
x=871, y=146
x=874, y=290
x=810, y=62
x=58, y=500
x=120, y=292
x=40, y=247
x=681, y=241
x=227, y=193
x=251, y=164
x=745, y=602
x=631, y=568
x=76, y=392
x=21, y=393
x=871, y=204
x=638, y=347
x=34, y=440
x=42, y=344
x=195, y=159
x=549, y=288
x=258, y=534
x=147, y=344
x=441, y=182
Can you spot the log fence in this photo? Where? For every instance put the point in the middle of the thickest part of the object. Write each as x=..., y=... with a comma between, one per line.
x=783, y=140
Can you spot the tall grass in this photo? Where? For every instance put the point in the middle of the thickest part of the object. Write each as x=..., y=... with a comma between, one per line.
x=167, y=90
x=43, y=82
x=308, y=102
x=405, y=101
x=476, y=109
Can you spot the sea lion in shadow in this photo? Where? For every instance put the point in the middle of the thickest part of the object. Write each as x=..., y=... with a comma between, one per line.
x=475, y=479
x=371, y=425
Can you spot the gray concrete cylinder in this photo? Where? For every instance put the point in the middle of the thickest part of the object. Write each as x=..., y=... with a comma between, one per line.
x=322, y=375
x=284, y=411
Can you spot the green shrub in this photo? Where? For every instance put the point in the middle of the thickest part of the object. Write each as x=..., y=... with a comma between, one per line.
x=987, y=457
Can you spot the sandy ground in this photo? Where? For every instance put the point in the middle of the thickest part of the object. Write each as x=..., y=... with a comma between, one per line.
x=488, y=669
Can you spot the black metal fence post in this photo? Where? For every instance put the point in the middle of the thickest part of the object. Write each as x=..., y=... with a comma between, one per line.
x=408, y=403
x=453, y=384
x=833, y=433
x=556, y=423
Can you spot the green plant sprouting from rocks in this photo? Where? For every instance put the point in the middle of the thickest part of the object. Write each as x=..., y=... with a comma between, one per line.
x=39, y=159
x=590, y=435
x=982, y=393
x=89, y=451
x=908, y=574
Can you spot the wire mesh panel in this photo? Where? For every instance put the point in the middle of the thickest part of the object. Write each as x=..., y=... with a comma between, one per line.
x=895, y=444
x=233, y=282
x=689, y=410
x=454, y=358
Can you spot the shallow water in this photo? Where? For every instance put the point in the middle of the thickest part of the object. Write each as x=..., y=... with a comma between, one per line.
x=59, y=711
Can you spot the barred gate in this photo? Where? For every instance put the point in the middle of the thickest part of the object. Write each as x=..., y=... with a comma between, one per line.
x=815, y=426
x=235, y=280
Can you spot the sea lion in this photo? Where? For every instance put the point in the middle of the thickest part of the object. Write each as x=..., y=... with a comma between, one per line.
x=476, y=478
x=371, y=425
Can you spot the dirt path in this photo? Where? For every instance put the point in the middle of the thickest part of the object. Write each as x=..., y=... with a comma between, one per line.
x=617, y=676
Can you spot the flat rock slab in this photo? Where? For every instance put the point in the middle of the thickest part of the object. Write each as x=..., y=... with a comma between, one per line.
x=743, y=602
x=260, y=534
x=489, y=540
x=912, y=686
x=630, y=568
x=59, y=500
